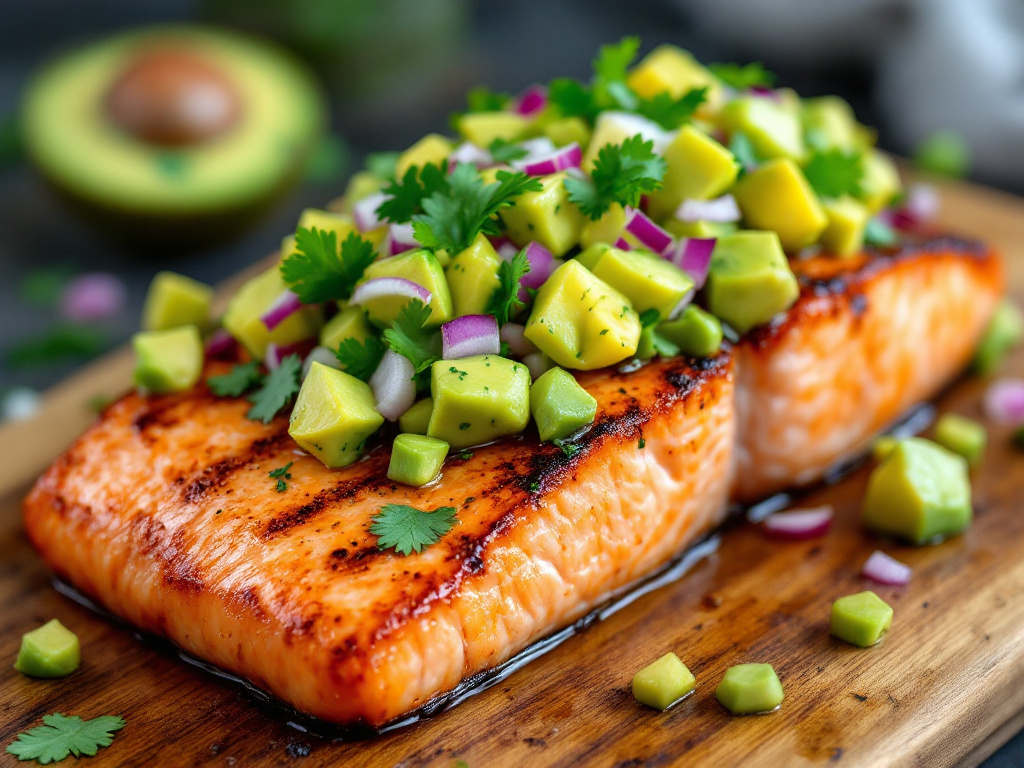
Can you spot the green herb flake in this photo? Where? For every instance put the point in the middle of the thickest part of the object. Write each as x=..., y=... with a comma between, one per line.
x=407, y=529
x=834, y=173
x=504, y=152
x=483, y=99
x=360, y=358
x=534, y=487
x=382, y=164
x=408, y=338
x=318, y=272
x=406, y=196
x=621, y=174
x=466, y=456
x=61, y=736
x=745, y=77
x=240, y=379
x=281, y=474
x=505, y=301
x=672, y=113
x=277, y=390
x=641, y=444
x=879, y=234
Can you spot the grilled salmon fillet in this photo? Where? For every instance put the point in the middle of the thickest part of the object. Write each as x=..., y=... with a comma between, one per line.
x=164, y=513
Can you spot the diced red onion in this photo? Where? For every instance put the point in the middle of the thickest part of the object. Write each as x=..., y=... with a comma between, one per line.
x=364, y=212
x=1004, y=402
x=321, y=355
x=93, y=296
x=561, y=159
x=393, y=387
x=647, y=232
x=920, y=207
x=221, y=344
x=799, y=524
x=884, y=569
x=381, y=287
x=538, y=147
x=542, y=264
x=467, y=152
x=513, y=335
x=275, y=353
x=507, y=250
x=766, y=93
x=284, y=306
x=721, y=210
x=623, y=245
x=400, y=239
x=470, y=335
x=531, y=101
x=693, y=256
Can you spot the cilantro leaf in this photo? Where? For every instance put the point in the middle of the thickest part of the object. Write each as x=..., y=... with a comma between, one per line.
x=278, y=389
x=743, y=150
x=236, y=381
x=621, y=175
x=407, y=337
x=408, y=529
x=610, y=69
x=835, y=173
x=483, y=99
x=316, y=272
x=649, y=317
x=452, y=219
x=406, y=196
x=382, y=164
x=505, y=301
x=360, y=358
x=742, y=78
x=281, y=474
x=62, y=736
x=672, y=113
x=503, y=151
x=572, y=98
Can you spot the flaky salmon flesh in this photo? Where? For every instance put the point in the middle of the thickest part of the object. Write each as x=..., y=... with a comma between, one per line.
x=164, y=513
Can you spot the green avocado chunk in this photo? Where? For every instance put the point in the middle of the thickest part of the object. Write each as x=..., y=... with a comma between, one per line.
x=920, y=492
x=417, y=419
x=559, y=405
x=243, y=316
x=778, y=197
x=477, y=399
x=774, y=130
x=1005, y=331
x=962, y=436
x=472, y=277
x=416, y=459
x=421, y=267
x=698, y=168
x=748, y=689
x=663, y=682
x=697, y=333
x=350, y=323
x=847, y=223
x=174, y=300
x=547, y=216
x=52, y=650
x=647, y=280
x=334, y=415
x=750, y=281
x=861, y=619
x=829, y=123
x=168, y=361
x=482, y=128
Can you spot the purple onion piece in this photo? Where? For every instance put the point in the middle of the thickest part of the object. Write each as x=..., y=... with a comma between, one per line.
x=693, y=256
x=364, y=212
x=470, y=335
x=569, y=156
x=542, y=264
x=394, y=389
x=400, y=239
x=799, y=524
x=884, y=569
x=531, y=101
x=467, y=152
x=220, y=345
x=283, y=307
x=623, y=245
x=381, y=287
x=1004, y=402
x=513, y=334
x=721, y=210
x=649, y=234
x=93, y=296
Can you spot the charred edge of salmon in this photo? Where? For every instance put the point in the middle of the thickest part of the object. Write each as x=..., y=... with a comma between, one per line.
x=838, y=281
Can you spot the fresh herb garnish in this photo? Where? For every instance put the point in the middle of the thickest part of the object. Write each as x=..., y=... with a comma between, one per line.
x=62, y=736
x=622, y=173
x=649, y=317
x=743, y=150
x=281, y=474
x=878, y=233
x=237, y=381
x=672, y=113
x=466, y=456
x=505, y=301
x=60, y=343
x=406, y=195
x=834, y=173
x=360, y=358
x=607, y=89
x=483, y=99
x=742, y=78
x=453, y=218
x=408, y=529
x=572, y=98
x=407, y=336
x=503, y=151
x=316, y=271
x=277, y=390
x=641, y=444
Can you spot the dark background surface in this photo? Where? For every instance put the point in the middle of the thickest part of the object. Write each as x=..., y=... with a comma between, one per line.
x=429, y=53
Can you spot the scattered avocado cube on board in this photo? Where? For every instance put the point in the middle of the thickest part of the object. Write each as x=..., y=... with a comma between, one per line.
x=961, y=435
x=663, y=682
x=748, y=689
x=1005, y=330
x=174, y=300
x=52, y=650
x=861, y=619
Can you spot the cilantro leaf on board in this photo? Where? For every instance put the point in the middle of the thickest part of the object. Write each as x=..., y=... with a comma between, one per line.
x=621, y=174
x=452, y=219
x=834, y=173
x=278, y=389
x=742, y=78
x=407, y=337
x=360, y=358
x=317, y=272
x=237, y=381
x=483, y=99
x=504, y=152
x=672, y=113
x=62, y=736
x=408, y=529
x=505, y=301
x=406, y=196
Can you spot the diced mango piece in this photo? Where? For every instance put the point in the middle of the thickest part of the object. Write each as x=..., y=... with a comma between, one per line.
x=174, y=300
x=361, y=184
x=647, y=280
x=847, y=220
x=473, y=277
x=416, y=420
x=341, y=224
x=421, y=267
x=750, y=280
x=432, y=148
x=242, y=319
x=778, y=197
x=698, y=168
x=566, y=130
x=881, y=180
x=546, y=216
x=606, y=229
x=481, y=128
x=168, y=361
x=773, y=130
x=350, y=323
x=675, y=71
x=829, y=124
x=615, y=127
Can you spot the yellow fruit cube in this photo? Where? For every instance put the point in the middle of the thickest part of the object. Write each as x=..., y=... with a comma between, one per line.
x=773, y=130
x=432, y=148
x=778, y=197
x=481, y=128
x=546, y=216
x=698, y=168
x=847, y=219
x=673, y=70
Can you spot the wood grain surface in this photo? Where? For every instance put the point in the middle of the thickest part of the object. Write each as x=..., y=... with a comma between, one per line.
x=944, y=688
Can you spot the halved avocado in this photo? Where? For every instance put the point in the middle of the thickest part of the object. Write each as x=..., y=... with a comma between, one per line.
x=173, y=135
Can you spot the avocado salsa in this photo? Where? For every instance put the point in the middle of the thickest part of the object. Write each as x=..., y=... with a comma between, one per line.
x=456, y=286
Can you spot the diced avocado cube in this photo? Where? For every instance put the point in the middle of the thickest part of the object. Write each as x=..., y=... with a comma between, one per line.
x=663, y=682
x=432, y=148
x=749, y=281
x=581, y=322
x=880, y=182
x=287, y=245
x=168, y=361
x=341, y=224
x=473, y=277
x=773, y=130
x=829, y=124
x=605, y=230
x=883, y=446
x=546, y=216
x=702, y=229
x=417, y=419
x=416, y=459
x=1005, y=331
x=847, y=222
x=697, y=333
x=919, y=493
x=174, y=300
x=334, y=415
x=52, y=650
x=350, y=323
x=566, y=130
x=481, y=128
x=861, y=619
x=672, y=70
x=421, y=267
x=560, y=406
x=652, y=343
x=591, y=255
x=242, y=319
x=698, y=168
x=961, y=435
x=749, y=689
x=477, y=399
x=647, y=280
x=778, y=197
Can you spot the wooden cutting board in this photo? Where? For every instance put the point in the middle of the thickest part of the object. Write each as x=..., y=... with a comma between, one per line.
x=946, y=687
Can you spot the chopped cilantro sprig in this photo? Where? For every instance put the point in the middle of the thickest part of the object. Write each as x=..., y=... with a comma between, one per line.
x=408, y=337
x=622, y=173
x=236, y=382
x=834, y=173
x=743, y=77
x=277, y=390
x=407, y=529
x=360, y=358
x=406, y=195
x=62, y=736
x=505, y=301
x=317, y=271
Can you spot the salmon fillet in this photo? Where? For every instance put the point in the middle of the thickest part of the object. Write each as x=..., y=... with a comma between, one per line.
x=164, y=513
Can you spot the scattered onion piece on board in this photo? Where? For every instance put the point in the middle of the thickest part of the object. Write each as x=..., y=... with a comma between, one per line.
x=93, y=296
x=884, y=569
x=799, y=524
x=1004, y=402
